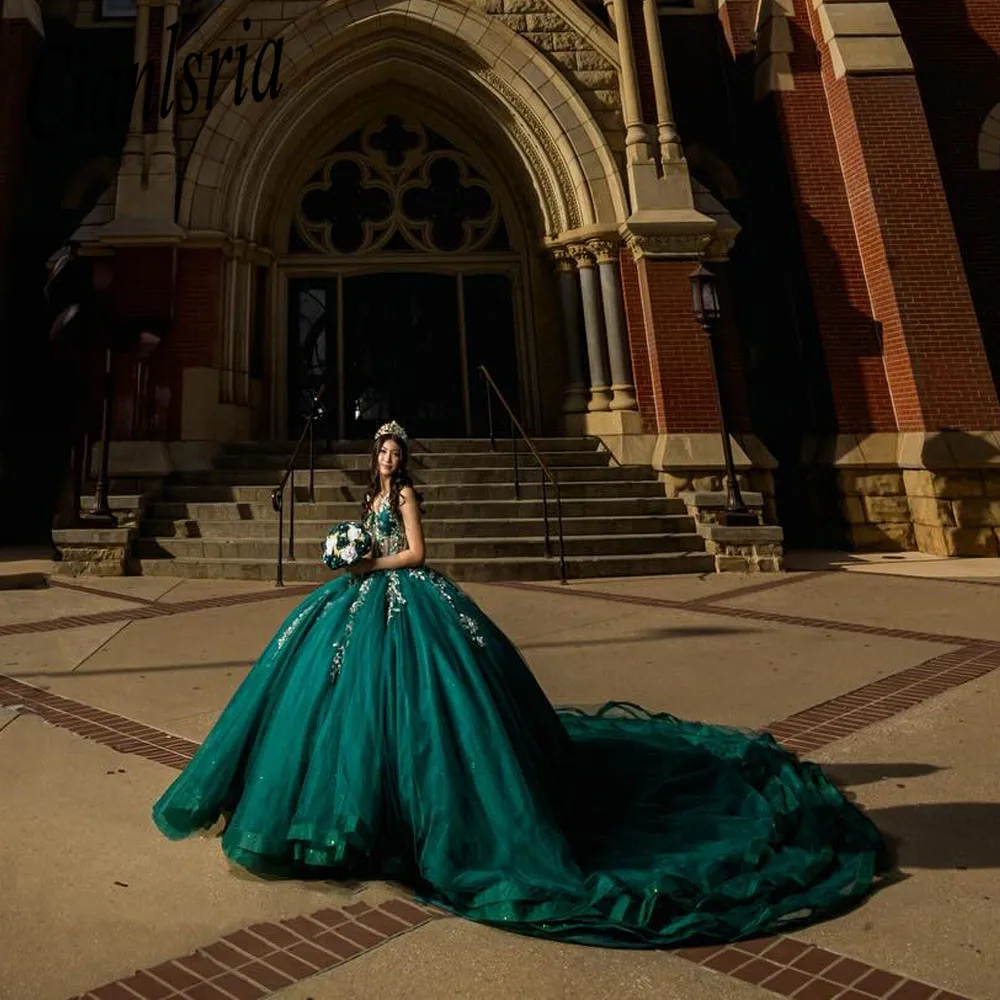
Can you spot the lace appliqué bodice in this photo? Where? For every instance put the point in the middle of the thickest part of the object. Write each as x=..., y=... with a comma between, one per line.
x=387, y=530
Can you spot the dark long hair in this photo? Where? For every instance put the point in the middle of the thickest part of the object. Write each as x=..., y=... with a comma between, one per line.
x=400, y=478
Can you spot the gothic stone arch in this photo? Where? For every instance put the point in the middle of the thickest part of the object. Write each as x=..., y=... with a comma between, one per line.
x=451, y=50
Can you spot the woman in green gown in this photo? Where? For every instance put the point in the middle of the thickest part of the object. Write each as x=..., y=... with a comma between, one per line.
x=391, y=729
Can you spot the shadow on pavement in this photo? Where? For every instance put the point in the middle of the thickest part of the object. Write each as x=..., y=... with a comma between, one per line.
x=647, y=635
x=850, y=775
x=945, y=835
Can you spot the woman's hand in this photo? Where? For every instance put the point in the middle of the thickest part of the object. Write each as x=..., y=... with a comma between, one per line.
x=362, y=566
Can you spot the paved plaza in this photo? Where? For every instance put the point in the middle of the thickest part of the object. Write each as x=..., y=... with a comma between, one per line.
x=882, y=669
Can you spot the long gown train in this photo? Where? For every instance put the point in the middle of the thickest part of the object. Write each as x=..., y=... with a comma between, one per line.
x=390, y=728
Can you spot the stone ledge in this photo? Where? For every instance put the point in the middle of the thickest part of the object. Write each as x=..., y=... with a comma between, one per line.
x=859, y=55
x=743, y=535
x=92, y=536
x=94, y=551
x=716, y=500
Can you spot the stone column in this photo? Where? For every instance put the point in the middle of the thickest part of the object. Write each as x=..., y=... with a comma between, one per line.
x=593, y=323
x=164, y=143
x=636, y=132
x=133, y=143
x=622, y=389
x=569, y=297
x=670, y=143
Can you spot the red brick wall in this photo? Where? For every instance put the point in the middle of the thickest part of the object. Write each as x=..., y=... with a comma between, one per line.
x=143, y=282
x=198, y=318
x=933, y=353
x=955, y=48
x=683, y=389
x=195, y=338
x=840, y=292
x=146, y=286
x=737, y=18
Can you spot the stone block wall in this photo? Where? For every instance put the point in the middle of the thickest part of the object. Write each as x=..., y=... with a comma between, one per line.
x=945, y=514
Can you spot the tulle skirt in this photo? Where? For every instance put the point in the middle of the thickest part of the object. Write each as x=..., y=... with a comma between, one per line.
x=390, y=729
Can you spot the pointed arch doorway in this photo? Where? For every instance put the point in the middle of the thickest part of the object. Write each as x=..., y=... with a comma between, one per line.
x=402, y=277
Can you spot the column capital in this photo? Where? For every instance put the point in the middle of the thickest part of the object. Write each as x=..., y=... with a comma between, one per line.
x=581, y=255
x=605, y=251
x=563, y=260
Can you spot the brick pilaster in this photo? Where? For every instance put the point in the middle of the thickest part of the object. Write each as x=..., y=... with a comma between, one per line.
x=682, y=387
x=642, y=376
x=935, y=362
x=858, y=382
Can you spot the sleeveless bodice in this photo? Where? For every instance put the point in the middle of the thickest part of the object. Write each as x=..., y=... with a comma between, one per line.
x=387, y=530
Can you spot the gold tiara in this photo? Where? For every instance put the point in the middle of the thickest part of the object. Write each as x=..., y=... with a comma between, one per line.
x=396, y=430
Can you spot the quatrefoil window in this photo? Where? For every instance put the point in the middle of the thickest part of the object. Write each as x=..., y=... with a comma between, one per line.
x=397, y=185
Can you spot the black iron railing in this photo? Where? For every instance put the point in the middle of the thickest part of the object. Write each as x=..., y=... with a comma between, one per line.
x=278, y=493
x=546, y=473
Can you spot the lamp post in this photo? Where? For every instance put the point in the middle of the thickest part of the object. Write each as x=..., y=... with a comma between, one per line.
x=103, y=277
x=705, y=303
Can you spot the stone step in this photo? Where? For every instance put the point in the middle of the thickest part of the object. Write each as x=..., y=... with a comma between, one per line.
x=437, y=460
x=421, y=477
x=463, y=570
x=308, y=548
x=349, y=509
x=436, y=529
x=421, y=446
x=588, y=489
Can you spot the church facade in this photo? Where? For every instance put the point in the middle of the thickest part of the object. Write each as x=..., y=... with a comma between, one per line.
x=377, y=197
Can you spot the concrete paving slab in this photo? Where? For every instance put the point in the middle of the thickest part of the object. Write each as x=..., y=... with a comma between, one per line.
x=912, y=564
x=460, y=960
x=46, y=603
x=929, y=777
x=736, y=673
x=896, y=602
x=67, y=922
x=34, y=656
x=175, y=673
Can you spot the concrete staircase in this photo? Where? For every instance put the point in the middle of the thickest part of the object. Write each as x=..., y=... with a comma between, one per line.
x=220, y=524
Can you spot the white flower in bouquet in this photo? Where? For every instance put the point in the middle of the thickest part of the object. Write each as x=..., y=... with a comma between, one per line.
x=345, y=544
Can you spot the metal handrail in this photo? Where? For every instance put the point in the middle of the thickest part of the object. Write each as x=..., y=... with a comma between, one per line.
x=545, y=470
x=278, y=493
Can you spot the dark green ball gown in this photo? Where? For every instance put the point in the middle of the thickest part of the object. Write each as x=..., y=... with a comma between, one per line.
x=391, y=729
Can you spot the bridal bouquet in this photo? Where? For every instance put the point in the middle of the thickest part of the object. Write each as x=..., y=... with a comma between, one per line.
x=346, y=543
